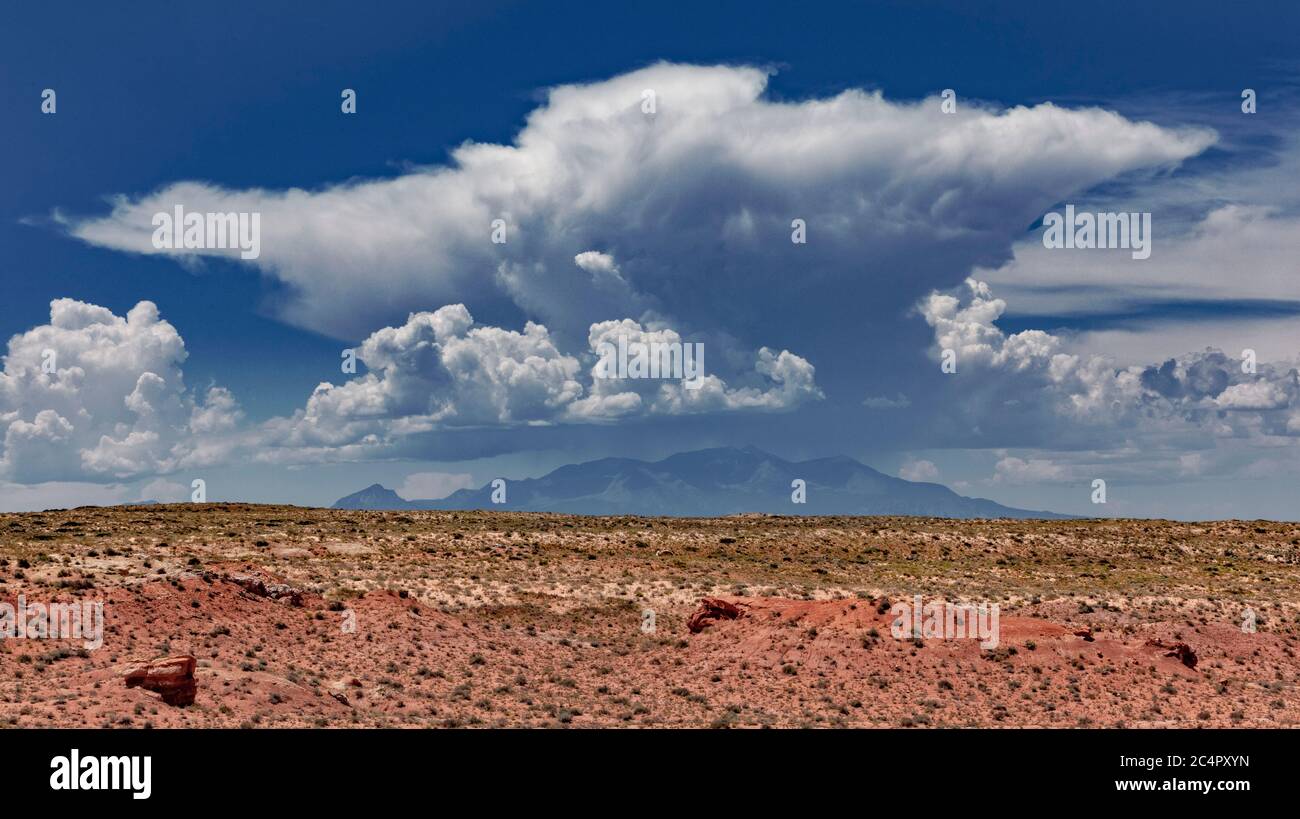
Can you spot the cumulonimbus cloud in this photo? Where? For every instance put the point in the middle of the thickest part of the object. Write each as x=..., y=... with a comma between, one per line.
x=672, y=218
x=694, y=199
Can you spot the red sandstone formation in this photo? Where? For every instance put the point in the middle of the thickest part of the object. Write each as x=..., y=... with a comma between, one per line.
x=712, y=608
x=171, y=677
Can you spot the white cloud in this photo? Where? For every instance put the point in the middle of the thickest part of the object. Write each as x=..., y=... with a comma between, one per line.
x=784, y=380
x=702, y=191
x=1092, y=387
x=114, y=405
x=1254, y=395
x=440, y=370
x=918, y=470
x=1192, y=265
x=679, y=221
x=597, y=263
x=1226, y=240
x=1184, y=403
x=219, y=412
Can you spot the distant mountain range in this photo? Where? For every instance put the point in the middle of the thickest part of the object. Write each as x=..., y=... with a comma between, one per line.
x=710, y=483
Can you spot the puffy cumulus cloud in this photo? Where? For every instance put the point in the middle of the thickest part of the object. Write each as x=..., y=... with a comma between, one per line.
x=1188, y=401
x=441, y=370
x=680, y=219
x=784, y=380
x=695, y=201
x=219, y=412
x=96, y=396
x=967, y=324
x=597, y=264
x=437, y=369
x=1258, y=395
x=1202, y=385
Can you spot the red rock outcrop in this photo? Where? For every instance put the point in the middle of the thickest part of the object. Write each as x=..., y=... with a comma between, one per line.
x=171, y=677
x=712, y=608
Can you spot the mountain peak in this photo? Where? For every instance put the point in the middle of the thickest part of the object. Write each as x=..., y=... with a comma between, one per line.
x=710, y=483
x=374, y=496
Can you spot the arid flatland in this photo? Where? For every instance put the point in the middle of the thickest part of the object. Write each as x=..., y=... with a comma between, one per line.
x=312, y=617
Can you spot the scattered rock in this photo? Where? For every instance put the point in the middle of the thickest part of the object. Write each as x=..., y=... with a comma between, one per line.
x=171, y=677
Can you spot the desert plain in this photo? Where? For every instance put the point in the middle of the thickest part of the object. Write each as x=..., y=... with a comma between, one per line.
x=300, y=617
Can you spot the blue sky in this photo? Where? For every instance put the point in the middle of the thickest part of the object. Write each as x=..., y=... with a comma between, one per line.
x=244, y=107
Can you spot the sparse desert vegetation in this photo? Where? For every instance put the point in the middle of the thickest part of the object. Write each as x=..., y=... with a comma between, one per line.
x=313, y=617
